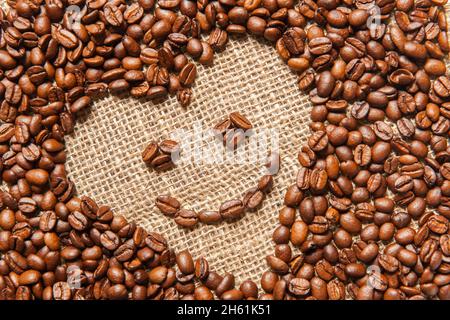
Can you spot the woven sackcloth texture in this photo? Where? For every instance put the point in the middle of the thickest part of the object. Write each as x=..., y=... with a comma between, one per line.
x=104, y=155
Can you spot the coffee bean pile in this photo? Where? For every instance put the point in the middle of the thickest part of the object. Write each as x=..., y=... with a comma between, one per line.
x=369, y=209
x=160, y=156
x=368, y=215
x=230, y=210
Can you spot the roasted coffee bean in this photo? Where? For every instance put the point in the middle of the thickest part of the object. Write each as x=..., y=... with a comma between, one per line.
x=240, y=121
x=405, y=127
x=188, y=74
x=218, y=39
x=110, y=240
x=78, y=221
x=265, y=183
x=150, y=152
x=306, y=80
x=383, y=131
x=320, y=45
x=186, y=218
x=209, y=217
x=231, y=209
x=185, y=262
x=360, y=110
x=325, y=84
x=362, y=155
x=201, y=268
x=299, y=286
x=168, y=146
x=293, y=196
x=61, y=291
x=168, y=205
x=318, y=141
x=253, y=199
x=37, y=176
x=161, y=29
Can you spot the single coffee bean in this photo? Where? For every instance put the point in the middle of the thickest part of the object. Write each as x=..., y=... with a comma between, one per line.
x=318, y=141
x=240, y=121
x=188, y=74
x=185, y=262
x=167, y=204
x=231, y=209
x=209, y=217
x=186, y=218
x=253, y=199
x=150, y=152
x=201, y=268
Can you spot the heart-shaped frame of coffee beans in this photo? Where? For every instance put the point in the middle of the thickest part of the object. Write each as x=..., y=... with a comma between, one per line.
x=54, y=62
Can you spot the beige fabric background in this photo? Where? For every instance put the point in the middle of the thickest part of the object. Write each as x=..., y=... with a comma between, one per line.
x=104, y=155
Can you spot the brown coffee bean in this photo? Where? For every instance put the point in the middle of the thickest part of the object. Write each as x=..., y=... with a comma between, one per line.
x=186, y=218
x=150, y=152
x=162, y=162
x=405, y=127
x=253, y=199
x=113, y=15
x=437, y=224
x=303, y=178
x=442, y=86
x=188, y=74
x=240, y=121
x=277, y=265
x=61, y=291
x=336, y=290
x=256, y=25
x=383, y=131
x=299, y=286
x=362, y=155
x=185, y=262
x=168, y=205
x=37, y=177
x=209, y=217
x=67, y=39
x=201, y=268
x=7, y=61
x=169, y=146
x=403, y=184
x=194, y=48
x=161, y=29
x=434, y=67
x=325, y=84
x=78, y=221
x=218, y=39
x=299, y=233
x=265, y=183
x=320, y=45
x=110, y=240
x=293, y=196
x=232, y=209
x=318, y=141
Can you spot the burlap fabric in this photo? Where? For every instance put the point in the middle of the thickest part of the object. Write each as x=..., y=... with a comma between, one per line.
x=104, y=155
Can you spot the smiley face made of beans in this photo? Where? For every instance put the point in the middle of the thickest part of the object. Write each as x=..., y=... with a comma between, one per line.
x=388, y=185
